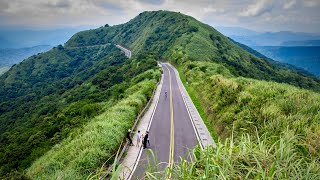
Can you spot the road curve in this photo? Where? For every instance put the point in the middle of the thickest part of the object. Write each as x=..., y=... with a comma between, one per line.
x=171, y=133
x=127, y=52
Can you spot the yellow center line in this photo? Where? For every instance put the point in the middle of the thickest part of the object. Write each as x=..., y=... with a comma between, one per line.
x=171, y=153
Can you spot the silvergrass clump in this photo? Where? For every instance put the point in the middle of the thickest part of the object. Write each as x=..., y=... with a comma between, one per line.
x=237, y=109
x=247, y=159
x=80, y=155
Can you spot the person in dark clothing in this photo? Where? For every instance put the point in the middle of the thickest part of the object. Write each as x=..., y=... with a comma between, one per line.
x=129, y=137
x=145, y=140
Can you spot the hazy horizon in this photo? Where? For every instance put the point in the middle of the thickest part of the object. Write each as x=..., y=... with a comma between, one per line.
x=261, y=15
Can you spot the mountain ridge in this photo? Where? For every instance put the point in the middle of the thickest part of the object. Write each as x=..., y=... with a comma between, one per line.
x=49, y=100
x=173, y=25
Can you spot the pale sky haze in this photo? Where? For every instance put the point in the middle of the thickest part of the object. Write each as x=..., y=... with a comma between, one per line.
x=260, y=15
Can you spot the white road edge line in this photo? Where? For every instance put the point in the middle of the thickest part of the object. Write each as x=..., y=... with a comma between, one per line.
x=140, y=152
x=191, y=119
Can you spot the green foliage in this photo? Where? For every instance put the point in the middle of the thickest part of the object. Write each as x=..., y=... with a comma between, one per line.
x=173, y=36
x=247, y=103
x=56, y=105
x=87, y=149
x=265, y=129
x=59, y=91
x=218, y=73
x=209, y=45
x=149, y=31
x=246, y=160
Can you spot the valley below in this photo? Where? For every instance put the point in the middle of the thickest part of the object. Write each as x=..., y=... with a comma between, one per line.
x=65, y=113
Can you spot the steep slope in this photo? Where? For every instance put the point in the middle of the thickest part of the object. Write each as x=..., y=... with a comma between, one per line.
x=255, y=118
x=70, y=95
x=237, y=93
x=49, y=96
x=170, y=35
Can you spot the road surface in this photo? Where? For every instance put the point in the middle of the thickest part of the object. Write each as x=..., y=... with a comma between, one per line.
x=171, y=133
x=126, y=51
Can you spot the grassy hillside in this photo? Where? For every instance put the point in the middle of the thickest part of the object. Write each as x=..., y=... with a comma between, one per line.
x=251, y=101
x=170, y=35
x=55, y=104
x=47, y=97
x=266, y=130
x=88, y=148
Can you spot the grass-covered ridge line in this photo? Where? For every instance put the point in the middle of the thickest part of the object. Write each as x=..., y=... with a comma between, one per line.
x=239, y=92
x=242, y=104
x=170, y=35
x=87, y=149
x=50, y=97
x=265, y=129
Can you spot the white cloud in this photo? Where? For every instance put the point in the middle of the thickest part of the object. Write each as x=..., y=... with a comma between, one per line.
x=259, y=8
x=260, y=14
x=289, y=3
x=211, y=9
x=311, y=3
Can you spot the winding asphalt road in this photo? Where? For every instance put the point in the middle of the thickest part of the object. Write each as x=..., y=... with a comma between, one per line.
x=171, y=133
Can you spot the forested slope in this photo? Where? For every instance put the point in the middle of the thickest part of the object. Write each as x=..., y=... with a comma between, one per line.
x=165, y=33
x=246, y=100
x=50, y=100
x=50, y=95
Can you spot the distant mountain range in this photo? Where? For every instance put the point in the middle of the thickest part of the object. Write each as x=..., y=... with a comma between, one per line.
x=296, y=48
x=21, y=38
x=236, y=31
x=65, y=112
x=11, y=56
x=301, y=43
x=305, y=57
x=254, y=38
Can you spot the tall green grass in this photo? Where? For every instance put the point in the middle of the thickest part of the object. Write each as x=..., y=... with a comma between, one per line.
x=246, y=158
x=266, y=130
x=245, y=103
x=90, y=146
x=271, y=130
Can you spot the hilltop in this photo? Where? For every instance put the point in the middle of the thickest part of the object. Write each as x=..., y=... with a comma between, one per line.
x=61, y=99
x=169, y=34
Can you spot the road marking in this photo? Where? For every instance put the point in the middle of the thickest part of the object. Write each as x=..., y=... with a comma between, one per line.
x=171, y=153
x=148, y=128
x=189, y=113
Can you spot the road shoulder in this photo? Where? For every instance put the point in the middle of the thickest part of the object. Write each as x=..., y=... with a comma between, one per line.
x=201, y=130
x=133, y=153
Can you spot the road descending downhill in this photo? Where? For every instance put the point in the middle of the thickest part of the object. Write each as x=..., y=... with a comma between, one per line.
x=127, y=52
x=171, y=132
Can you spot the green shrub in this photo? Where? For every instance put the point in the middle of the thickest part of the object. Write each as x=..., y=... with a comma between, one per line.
x=90, y=146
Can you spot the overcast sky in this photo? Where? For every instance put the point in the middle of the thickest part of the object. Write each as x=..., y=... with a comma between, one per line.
x=261, y=15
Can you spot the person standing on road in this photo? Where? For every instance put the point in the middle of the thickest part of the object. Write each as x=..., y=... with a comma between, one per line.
x=138, y=137
x=129, y=138
x=145, y=139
